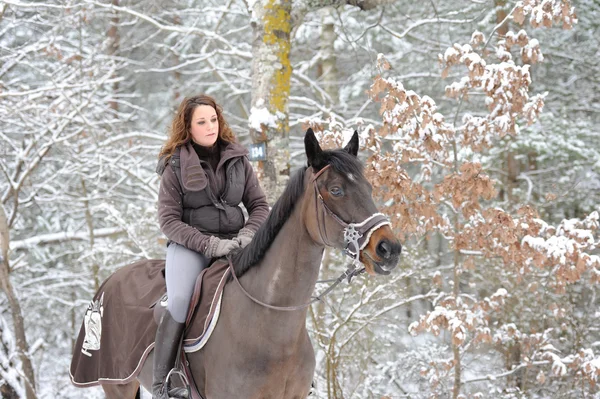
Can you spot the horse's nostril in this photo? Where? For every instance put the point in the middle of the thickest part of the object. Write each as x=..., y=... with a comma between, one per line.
x=384, y=250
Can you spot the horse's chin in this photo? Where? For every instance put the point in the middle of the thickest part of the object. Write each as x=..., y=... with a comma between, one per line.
x=374, y=267
x=379, y=270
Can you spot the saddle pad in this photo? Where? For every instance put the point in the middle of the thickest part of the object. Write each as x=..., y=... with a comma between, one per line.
x=118, y=329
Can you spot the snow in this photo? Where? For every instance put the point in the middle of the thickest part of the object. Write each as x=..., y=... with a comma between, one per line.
x=554, y=247
x=450, y=52
x=362, y=329
x=260, y=116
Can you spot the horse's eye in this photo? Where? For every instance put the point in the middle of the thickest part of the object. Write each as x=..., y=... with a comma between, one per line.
x=336, y=191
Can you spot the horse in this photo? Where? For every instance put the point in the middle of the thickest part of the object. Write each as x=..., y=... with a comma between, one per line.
x=257, y=349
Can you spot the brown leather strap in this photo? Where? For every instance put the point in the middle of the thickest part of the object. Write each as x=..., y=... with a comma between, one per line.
x=348, y=274
x=320, y=214
x=319, y=173
x=266, y=305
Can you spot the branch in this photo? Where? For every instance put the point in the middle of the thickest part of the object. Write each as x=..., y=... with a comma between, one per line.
x=424, y=22
x=368, y=4
x=125, y=10
x=53, y=238
x=368, y=28
x=506, y=374
x=529, y=185
x=59, y=87
x=382, y=312
x=508, y=16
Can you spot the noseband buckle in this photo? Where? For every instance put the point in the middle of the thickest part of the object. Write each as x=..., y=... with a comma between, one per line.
x=351, y=238
x=357, y=235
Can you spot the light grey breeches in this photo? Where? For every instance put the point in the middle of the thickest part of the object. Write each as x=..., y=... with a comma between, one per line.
x=182, y=268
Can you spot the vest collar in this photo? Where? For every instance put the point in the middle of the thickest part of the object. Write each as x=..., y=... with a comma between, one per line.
x=192, y=175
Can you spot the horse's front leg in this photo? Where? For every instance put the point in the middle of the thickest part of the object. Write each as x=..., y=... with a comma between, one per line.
x=300, y=382
x=125, y=391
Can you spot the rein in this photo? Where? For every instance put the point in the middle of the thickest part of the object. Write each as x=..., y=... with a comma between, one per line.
x=356, y=238
x=349, y=273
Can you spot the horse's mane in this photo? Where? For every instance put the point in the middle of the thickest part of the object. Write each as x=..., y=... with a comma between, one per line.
x=340, y=161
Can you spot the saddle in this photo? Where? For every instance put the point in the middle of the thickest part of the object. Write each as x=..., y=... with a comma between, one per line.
x=119, y=325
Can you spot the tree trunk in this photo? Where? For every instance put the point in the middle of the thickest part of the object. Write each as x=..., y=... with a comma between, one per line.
x=512, y=168
x=328, y=72
x=456, y=292
x=271, y=74
x=89, y=219
x=73, y=322
x=514, y=359
x=15, y=307
x=7, y=392
x=113, y=48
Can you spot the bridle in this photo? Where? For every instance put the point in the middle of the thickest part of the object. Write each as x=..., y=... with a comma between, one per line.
x=356, y=238
x=356, y=235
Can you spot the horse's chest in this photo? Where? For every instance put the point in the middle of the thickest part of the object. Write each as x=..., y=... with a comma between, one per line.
x=266, y=374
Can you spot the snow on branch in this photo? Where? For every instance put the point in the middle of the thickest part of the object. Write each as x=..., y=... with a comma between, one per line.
x=45, y=239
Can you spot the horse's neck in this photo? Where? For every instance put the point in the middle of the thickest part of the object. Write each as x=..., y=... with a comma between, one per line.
x=287, y=274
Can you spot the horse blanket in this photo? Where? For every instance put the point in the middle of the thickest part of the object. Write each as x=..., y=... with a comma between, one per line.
x=119, y=326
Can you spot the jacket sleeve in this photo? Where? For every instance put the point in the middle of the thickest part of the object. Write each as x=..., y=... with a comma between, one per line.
x=170, y=212
x=254, y=199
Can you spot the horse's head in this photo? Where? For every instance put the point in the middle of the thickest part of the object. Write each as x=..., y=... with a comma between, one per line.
x=343, y=214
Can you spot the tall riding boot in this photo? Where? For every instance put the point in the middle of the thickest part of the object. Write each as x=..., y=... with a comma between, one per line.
x=168, y=338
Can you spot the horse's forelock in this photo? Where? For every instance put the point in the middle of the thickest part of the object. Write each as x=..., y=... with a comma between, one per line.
x=343, y=163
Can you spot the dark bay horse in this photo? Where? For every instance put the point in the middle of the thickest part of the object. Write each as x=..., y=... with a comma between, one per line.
x=260, y=352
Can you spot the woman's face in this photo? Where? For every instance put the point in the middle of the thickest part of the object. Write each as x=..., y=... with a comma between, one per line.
x=205, y=125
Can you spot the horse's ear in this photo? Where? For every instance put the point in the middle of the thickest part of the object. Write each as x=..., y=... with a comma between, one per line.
x=352, y=146
x=312, y=148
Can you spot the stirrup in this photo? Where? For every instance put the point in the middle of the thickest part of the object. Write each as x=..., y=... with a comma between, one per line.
x=178, y=392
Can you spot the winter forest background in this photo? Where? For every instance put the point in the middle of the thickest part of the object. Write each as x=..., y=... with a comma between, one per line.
x=479, y=127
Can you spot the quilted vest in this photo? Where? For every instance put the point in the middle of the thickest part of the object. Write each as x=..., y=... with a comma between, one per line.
x=213, y=214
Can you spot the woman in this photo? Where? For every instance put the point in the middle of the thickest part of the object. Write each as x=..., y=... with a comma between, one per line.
x=205, y=176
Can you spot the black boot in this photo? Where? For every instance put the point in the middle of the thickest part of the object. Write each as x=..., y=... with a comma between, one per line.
x=168, y=338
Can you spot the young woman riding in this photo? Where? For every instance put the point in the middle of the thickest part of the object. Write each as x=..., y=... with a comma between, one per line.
x=205, y=176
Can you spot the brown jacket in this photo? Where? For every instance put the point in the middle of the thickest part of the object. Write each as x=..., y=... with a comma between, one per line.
x=190, y=209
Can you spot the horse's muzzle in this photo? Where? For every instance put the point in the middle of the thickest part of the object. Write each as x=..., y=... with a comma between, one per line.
x=382, y=254
x=389, y=252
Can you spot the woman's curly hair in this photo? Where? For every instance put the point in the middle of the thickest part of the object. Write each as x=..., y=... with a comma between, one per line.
x=179, y=133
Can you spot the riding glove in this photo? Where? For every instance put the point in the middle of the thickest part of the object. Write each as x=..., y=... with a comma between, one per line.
x=217, y=248
x=244, y=237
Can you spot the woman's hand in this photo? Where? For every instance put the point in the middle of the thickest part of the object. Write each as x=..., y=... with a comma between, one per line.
x=244, y=237
x=218, y=248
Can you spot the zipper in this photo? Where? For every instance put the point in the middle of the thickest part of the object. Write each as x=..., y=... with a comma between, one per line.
x=216, y=201
x=229, y=173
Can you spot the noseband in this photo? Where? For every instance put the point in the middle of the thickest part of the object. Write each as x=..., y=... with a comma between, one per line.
x=356, y=235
